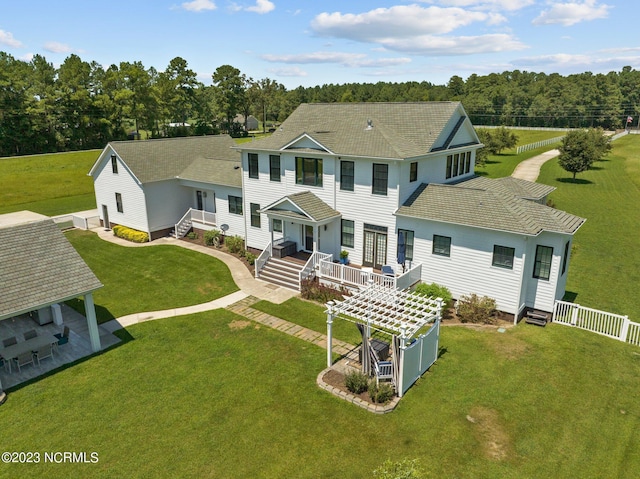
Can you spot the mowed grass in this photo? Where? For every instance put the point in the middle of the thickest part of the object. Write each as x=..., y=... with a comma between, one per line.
x=604, y=271
x=311, y=316
x=148, y=278
x=49, y=184
x=498, y=166
x=214, y=395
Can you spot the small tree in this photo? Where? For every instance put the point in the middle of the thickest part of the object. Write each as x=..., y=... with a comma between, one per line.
x=580, y=148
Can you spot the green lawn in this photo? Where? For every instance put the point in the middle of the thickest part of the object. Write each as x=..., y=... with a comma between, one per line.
x=197, y=396
x=498, y=166
x=312, y=316
x=604, y=270
x=50, y=184
x=149, y=278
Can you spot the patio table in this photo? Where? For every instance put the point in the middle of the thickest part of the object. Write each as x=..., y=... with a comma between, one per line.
x=32, y=344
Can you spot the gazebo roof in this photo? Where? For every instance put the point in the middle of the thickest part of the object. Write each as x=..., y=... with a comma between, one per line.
x=397, y=311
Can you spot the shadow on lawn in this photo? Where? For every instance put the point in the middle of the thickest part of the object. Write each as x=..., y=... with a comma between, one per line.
x=570, y=296
x=577, y=181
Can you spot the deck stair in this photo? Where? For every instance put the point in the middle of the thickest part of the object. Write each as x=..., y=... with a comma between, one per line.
x=281, y=272
x=183, y=229
x=539, y=318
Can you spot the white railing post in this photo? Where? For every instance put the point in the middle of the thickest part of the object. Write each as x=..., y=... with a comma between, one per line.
x=624, y=330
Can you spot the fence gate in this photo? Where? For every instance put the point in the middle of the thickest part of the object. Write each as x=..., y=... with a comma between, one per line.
x=419, y=356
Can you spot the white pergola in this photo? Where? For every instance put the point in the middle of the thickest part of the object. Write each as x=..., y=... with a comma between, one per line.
x=401, y=314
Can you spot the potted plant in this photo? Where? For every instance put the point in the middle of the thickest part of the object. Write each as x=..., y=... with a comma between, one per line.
x=344, y=257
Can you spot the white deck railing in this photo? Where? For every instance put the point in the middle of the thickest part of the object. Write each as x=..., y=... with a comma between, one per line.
x=608, y=324
x=199, y=216
x=310, y=266
x=350, y=276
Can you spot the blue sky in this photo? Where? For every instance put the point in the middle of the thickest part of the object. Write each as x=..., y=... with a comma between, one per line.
x=310, y=43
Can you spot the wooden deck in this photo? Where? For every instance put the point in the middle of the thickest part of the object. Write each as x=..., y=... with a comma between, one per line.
x=79, y=345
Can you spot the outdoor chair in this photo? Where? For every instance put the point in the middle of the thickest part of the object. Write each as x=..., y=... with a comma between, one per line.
x=23, y=359
x=63, y=338
x=384, y=371
x=30, y=334
x=9, y=341
x=44, y=352
x=388, y=270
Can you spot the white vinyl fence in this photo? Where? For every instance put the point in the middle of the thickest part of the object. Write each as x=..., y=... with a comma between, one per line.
x=608, y=324
x=538, y=144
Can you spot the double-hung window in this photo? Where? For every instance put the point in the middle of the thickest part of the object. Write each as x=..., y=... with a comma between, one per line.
x=503, y=256
x=255, y=215
x=309, y=171
x=542, y=263
x=277, y=225
x=380, y=178
x=114, y=164
x=407, y=236
x=347, y=230
x=442, y=245
x=274, y=167
x=119, y=203
x=253, y=165
x=347, y=169
x=413, y=172
x=235, y=205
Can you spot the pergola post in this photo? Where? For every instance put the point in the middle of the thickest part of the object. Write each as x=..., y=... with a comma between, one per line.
x=90, y=312
x=329, y=338
x=403, y=346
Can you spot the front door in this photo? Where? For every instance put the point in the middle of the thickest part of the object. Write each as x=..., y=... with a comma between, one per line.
x=200, y=204
x=105, y=217
x=308, y=237
x=375, y=248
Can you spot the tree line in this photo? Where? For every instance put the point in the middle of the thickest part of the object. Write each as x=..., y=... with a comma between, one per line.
x=81, y=105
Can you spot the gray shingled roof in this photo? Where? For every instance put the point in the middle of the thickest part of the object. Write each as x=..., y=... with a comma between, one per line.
x=39, y=267
x=399, y=130
x=217, y=172
x=511, y=186
x=163, y=159
x=488, y=209
x=309, y=204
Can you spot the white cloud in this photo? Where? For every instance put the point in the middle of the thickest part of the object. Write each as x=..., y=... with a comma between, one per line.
x=568, y=14
x=342, y=58
x=288, y=72
x=400, y=21
x=27, y=57
x=261, y=7
x=500, y=5
x=599, y=61
x=462, y=45
x=57, y=47
x=6, y=38
x=199, y=5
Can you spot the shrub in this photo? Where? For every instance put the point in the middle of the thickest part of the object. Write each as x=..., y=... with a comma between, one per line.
x=436, y=291
x=250, y=257
x=311, y=289
x=130, y=234
x=356, y=382
x=235, y=244
x=212, y=237
x=405, y=469
x=380, y=393
x=192, y=235
x=474, y=309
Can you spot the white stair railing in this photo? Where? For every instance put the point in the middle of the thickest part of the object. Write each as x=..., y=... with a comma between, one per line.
x=183, y=221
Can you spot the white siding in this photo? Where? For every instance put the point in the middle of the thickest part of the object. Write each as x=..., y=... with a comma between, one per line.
x=235, y=222
x=167, y=202
x=469, y=268
x=107, y=184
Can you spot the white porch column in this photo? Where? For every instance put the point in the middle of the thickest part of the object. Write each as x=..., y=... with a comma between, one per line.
x=271, y=229
x=329, y=338
x=90, y=312
x=316, y=237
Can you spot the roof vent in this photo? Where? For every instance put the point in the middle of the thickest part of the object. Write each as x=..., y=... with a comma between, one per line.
x=369, y=125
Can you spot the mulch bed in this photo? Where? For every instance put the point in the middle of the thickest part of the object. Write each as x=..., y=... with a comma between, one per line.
x=199, y=240
x=336, y=379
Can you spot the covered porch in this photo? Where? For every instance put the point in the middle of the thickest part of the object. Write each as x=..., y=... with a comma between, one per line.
x=411, y=321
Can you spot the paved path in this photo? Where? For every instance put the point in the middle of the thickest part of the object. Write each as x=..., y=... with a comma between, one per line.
x=530, y=169
x=240, y=302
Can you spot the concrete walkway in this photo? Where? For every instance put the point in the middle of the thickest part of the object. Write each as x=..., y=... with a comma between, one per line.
x=530, y=169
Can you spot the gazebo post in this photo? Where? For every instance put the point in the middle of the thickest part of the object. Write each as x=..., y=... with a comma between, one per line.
x=403, y=345
x=329, y=338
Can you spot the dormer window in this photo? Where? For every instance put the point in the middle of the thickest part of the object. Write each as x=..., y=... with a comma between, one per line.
x=114, y=164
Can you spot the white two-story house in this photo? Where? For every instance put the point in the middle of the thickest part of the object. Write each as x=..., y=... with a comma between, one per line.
x=392, y=184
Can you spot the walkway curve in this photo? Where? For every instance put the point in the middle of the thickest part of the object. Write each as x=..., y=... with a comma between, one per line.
x=249, y=286
x=530, y=169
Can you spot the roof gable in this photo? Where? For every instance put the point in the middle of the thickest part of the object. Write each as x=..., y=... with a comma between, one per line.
x=304, y=205
x=373, y=130
x=39, y=267
x=167, y=158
